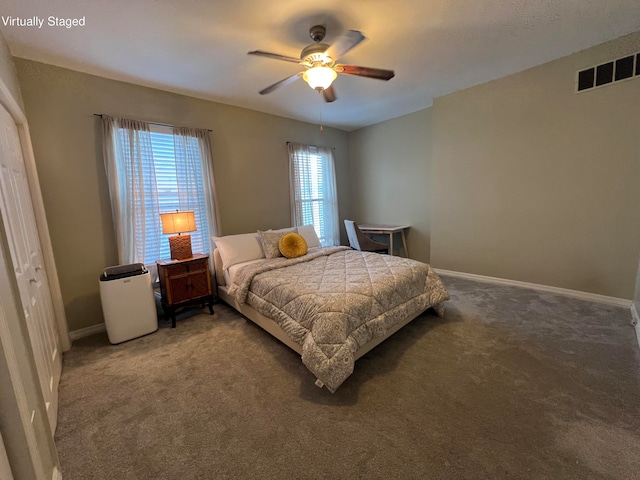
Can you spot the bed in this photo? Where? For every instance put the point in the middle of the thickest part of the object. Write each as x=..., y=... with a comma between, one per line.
x=331, y=305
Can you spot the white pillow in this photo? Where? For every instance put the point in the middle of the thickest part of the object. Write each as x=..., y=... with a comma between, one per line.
x=308, y=232
x=284, y=230
x=238, y=248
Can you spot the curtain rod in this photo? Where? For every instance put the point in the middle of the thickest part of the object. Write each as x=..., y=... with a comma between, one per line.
x=152, y=123
x=315, y=146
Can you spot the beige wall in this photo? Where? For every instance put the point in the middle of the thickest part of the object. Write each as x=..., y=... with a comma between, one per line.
x=533, y=182
x=389, y=167
x=249, y=154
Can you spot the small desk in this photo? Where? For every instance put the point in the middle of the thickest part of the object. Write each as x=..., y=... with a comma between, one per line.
x=387, y=230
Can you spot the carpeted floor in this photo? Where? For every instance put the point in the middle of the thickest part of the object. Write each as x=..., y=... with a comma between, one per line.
x=512, y=383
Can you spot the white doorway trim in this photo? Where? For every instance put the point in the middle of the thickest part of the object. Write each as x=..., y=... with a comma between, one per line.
x=15, y=355
x=6, y=98
x=5, y=468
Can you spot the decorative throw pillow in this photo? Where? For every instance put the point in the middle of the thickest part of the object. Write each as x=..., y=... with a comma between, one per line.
x=292, y=245
x=270, y=242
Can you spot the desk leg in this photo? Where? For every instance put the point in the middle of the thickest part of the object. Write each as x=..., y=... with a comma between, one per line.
x=404, y=244
x=391, y=243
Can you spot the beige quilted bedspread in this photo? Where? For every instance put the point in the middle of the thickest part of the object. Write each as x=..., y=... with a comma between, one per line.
x=334, y=301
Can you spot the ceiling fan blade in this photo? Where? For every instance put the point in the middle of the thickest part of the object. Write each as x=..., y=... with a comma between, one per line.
x=344, y=43
x=329, y=94
x=275, y=56
x=377, y=73
x=285, y=81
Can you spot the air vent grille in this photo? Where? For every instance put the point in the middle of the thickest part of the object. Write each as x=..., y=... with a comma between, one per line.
x=610, y=72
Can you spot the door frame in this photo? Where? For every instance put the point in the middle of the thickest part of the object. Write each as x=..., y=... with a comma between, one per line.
x=5, y=468
x=21, y=398
x=12, y=106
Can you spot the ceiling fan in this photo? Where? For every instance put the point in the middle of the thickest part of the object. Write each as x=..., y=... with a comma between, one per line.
x=319, y=61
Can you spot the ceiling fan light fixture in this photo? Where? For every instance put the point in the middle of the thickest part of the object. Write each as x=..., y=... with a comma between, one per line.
x=319, y=78
x=319, y=61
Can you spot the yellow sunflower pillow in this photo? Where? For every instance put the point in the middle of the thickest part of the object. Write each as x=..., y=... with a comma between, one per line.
x=292, y=245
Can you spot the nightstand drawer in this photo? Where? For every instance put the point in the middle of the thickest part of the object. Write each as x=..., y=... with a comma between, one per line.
x=177, y=269
x=198, y=265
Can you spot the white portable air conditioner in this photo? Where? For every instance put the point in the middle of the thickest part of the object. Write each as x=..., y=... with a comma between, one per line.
x=128, y=302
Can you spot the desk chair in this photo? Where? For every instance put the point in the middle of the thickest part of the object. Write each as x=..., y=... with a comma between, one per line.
x=359, y=241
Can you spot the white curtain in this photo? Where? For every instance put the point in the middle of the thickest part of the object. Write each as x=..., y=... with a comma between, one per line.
x=128, y=156
x=314, y=196
x=133, y=177
x=193, y=151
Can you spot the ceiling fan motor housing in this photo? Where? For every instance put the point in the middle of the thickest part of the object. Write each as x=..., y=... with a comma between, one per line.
x=314, y=53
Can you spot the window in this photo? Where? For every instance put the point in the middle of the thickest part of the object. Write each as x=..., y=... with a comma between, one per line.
x=170, y=176
x=314, y=199
x=151, y=170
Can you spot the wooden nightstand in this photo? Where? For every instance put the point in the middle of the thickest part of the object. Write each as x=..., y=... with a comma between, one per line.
x=184, y=282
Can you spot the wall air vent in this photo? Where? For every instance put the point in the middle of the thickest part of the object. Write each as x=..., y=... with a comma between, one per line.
x=610, y=72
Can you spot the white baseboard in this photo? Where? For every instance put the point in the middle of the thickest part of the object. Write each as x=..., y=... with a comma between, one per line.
x=57, y=474
x=635, y=321
x=87, y=331
x=592, y=297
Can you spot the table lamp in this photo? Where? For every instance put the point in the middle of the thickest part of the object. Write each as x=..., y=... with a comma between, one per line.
x=179, y=222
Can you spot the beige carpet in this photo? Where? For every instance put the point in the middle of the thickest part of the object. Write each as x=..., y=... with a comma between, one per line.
x=512, y=383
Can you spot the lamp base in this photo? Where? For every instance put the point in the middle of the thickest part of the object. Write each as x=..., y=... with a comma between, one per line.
x=180, y=246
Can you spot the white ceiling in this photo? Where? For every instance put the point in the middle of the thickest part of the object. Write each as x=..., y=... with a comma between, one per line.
x=198, y=47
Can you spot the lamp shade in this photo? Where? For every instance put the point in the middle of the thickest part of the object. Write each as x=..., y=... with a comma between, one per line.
x=178, y=222
x=319, y=78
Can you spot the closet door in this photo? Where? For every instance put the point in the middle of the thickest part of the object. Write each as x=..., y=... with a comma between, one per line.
x=21, y=232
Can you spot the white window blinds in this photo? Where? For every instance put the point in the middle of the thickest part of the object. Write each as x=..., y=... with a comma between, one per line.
x=179, y=188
